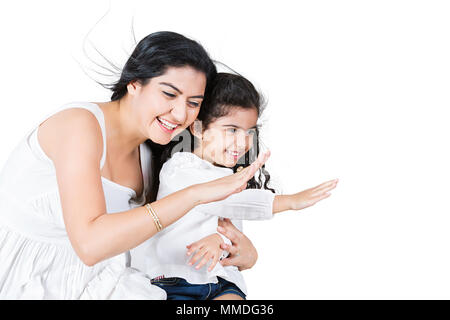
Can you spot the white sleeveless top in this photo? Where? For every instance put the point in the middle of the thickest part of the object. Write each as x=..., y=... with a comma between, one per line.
x=37, y=260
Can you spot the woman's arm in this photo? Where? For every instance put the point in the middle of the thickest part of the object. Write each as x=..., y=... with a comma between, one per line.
x=242, y=252
x=72, y=140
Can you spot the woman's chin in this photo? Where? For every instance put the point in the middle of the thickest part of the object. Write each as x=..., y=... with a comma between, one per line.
x=162, y=138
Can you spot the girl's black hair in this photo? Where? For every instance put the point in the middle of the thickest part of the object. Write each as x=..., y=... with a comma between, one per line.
x=152, y=56
x=228, y=91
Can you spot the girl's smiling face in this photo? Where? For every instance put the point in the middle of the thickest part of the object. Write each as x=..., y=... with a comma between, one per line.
x=227, y=138
x=167, y=104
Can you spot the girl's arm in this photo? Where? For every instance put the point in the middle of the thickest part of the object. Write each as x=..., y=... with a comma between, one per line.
x=303, y=199
x=258, y=204
x=72, y=140
x=250, y=204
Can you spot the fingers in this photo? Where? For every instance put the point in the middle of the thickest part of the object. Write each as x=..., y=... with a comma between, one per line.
x=322, y=191
x=206, y=257
x=214, y=262
x=250, y=171
x=325, y=195
x=324, y=187
x=205, y=260
x=231, y=249
x=318, y=193
x=327, y=184
x=262, y=158
x=229, y=262
x=227, y=232
x=197, y=256
x=226, y=223
x=320, y=197
x=192, y=248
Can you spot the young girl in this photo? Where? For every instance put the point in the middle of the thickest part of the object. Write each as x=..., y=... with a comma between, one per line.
x=224, y=138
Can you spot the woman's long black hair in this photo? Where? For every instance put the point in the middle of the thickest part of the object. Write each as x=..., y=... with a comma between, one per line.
x=158, y=51
x=152, y=56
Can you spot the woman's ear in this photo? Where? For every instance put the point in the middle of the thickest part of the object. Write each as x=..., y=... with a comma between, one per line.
x=196, y=129
x=132, y=87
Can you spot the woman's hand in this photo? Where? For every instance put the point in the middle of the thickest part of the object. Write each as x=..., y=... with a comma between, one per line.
x=242, y=252
x=208, y=248
x=309, y=197
x=220, y=189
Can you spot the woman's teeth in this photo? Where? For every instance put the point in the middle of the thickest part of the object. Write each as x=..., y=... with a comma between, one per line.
x=167, y=125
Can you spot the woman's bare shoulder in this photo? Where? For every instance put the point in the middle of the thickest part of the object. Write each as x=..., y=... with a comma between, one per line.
x=74, y=128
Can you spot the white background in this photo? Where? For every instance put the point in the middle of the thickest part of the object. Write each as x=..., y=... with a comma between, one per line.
x=357, y=90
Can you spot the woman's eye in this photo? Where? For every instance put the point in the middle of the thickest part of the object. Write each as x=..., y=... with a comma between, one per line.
x=171, y=95
x=194, y=104
x=231, y=130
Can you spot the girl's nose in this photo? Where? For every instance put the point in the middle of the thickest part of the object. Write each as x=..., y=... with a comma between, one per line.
x=241, y=141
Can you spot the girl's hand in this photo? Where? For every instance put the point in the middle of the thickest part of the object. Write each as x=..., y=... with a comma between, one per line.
x=220, y=189
x=208, y=248
x=242, y=252
x=311, y=196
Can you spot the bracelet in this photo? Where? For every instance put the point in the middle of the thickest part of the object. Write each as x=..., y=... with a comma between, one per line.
x=152, y=212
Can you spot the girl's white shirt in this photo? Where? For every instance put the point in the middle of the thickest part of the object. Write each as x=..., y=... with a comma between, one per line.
x=164, y=255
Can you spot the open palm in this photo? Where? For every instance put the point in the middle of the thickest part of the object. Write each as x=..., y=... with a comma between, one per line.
x=313, y=195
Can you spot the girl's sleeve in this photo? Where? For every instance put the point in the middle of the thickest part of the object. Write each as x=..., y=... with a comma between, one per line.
x=249, y=204
x=173, y=178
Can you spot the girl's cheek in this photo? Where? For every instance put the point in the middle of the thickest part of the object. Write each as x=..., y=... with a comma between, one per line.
x=216, y=138
x=230, y=143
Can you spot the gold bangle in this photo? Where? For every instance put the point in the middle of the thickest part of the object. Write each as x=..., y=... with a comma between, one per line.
x=155, y=217
x=158, y=224
x=152, y=212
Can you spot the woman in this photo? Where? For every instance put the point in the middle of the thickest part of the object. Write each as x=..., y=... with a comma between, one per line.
x=85, y=160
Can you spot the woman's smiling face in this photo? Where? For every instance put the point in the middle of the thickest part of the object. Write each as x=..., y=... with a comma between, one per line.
x=167, y=104
x=228, y=138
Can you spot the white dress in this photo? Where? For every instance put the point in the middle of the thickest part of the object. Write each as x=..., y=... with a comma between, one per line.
x=37, y=260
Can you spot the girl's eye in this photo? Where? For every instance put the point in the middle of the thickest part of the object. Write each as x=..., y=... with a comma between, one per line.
x=194, y=104
x=231, y=130
x=171, y=95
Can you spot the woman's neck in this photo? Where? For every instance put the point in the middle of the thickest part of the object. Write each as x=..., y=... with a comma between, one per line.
x=121, y=133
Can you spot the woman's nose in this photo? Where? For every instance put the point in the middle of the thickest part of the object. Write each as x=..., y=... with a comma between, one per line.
x=179, y=112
